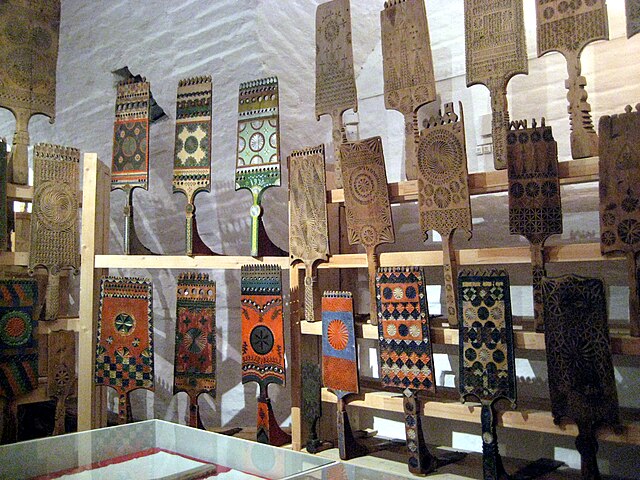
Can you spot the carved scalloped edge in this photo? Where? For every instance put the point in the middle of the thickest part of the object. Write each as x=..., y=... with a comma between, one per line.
x=51, y=151
x=522, y=124
x=400, y=269
x=336, y=294
x=131, y=81
x=628, y=110
x=193, y=276
x=449, y=116
x=267, y=274
x=262, y=82
x=393, y=3
x=489, y=272
x=206, y=79
x=303, y=152
x=116, y=279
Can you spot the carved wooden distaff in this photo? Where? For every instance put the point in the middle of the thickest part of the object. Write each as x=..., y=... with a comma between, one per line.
x=61, y=373
x=568, y=27
x=4, y=225
x=55, y=235
x=620, y=197
x=263, y=342
x=192, y=159
x=366, y=200
x=495, y=51
x=582, y=384
x=130, y=165
x=194, y=366
x=258, y=155
x=409, y=81
x=308, y=233
x=28, y=53
x=535, y=207
x=335, y=81
x=443, y=191
x=340, y=364
x=487, y=360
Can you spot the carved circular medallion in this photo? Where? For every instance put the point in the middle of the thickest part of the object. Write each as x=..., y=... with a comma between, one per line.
x=337, y=334
x=195, y=340
x=15, y=328
x=363, y=185
x=629, y=231
x=124, y=323
x=261, y=339
x=440, y=156
x=55, y=206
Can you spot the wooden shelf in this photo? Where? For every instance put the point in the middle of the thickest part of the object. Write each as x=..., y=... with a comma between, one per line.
x=570, y=172
x=184, y=262
x=21, y=193
x=532, y=420
x=526, y=340
x=18, y=259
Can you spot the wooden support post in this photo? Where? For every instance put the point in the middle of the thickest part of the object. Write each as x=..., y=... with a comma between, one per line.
x=95, y=240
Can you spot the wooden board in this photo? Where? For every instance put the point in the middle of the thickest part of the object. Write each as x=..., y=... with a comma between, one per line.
x=55, y=229
x=368, y=211
x=258, y=153
x=29, y=54
x=406, y=359
x=262, y=325
x=443, y=192
x=495, y=51
x=61, y=373
x=18, y=342
x=339, y=358
x=407, y=67
x=582, y=384
x=308, y=230
x=633, y=17
x=130, y=163
x=567, y=27
x=620, y=197
x=194, y=366
x=124, y=351
x=535, y=207
x=4, y=220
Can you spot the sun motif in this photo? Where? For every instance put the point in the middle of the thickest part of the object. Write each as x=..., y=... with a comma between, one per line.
x=337, y=334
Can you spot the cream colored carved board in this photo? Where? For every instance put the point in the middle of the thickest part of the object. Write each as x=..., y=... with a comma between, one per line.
x=192, y=158
x=620, y=197
x=28, y=55
x=535, y=207
x=407, y=66
x=308, y=231
x=55, y=236
x=443, y=191
x=568, y=27
x=335, y=81
x=366, y=201
x=130, y=164
x=496, y=51
x=633, y=17
x=61, y=376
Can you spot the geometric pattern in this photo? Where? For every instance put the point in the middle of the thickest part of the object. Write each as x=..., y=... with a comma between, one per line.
x=192, y=156
x=582, y=384
x=403, y=327
x=262, y=325
x=487, y=360
x=195, y=348
x=339, y=360
x=130, y=166
x=18, y=344
x=124, y=352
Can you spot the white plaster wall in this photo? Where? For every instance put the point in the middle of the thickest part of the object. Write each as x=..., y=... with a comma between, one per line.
x=237, y=41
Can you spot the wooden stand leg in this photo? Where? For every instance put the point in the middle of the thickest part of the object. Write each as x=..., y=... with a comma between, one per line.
x=492, y=467
x=420, y=461
x=348, y=446
x=269, y=431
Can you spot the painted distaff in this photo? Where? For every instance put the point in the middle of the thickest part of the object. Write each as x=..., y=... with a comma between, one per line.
x=124, y=351
x=263, y=342
x=496, y=51
x=308, y=231
x=194, y=366
x=258, y=154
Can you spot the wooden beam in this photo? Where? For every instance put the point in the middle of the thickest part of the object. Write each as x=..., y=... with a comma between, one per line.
x=14, y=259
x=531, y=420
x=184, y=262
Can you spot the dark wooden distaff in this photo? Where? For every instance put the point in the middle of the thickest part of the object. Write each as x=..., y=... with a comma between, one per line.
x=568, y=27
x=535, y=208
x=582, y=385
x=407, y=65
x=61, y=373
x=620, y=197
x=335, y=80
x=495, y=52
x=308, y=231
x=443, y=191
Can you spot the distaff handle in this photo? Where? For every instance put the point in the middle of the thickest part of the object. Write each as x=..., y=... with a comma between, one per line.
x=492, y=467
x=499, y=122
x=634, y=292
x=584, y=140
x=52, y=308
x=411, y=136
x=450, y=265
x=18, y=171
x=372, y=264
x=538, y=271
x=311, y=292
